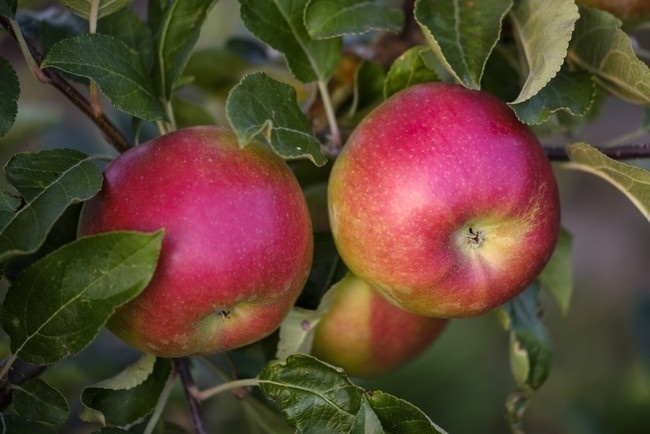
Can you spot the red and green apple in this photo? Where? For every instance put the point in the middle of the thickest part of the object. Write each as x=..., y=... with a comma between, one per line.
x=237, y=247
x=444, y=201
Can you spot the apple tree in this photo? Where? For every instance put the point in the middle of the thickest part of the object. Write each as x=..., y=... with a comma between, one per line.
x=227, y=216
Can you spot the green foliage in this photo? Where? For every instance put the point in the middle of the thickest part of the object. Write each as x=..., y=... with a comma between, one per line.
x=117, y=69
x=37, y=401
x=104, y=7
x=49, y=182
x=554, y=20
x=632, y=181
x=260, y=105
x=58, y=305
x=176, y=36
x=557, y=277
x=9, y=93
x=129, y=396
x=462, y=34
x=280, y=24
x=409, y=69
x=8, y=8
x=600, y=47
x=331, y=18
x=316, y=397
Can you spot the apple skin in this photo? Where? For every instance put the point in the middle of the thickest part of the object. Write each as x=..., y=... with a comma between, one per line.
x=443, y=201
x=629, y=11
x=368, y=336
x=237, y=247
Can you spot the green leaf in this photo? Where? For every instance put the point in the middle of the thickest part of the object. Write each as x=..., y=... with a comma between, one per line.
x=317, y=397
x=557, y=277
x=49, y=182
x=571, y=91
x=368, y=87
x=8, y=8
x=177, y=34
x=36, y=400
x=17, y=425
x=408, y=69
x=129, y=396
x=633, y=181
x=106, y=7
x=262, y=105
x=57, y=306
x=462, y=34
x=9, y=93
x=530, y=345
x=280, y=24
x=543, y=29
x=117, y=69
x=205, y=67
x=600, y=47
x=399, y=416
x=331, y=18
x=129, y=28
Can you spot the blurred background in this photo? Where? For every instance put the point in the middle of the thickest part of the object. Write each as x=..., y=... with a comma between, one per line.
x=600, y=376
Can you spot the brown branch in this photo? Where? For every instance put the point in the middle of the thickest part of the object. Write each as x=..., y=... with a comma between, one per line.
x=112, y=134
x=191, y=393
x=622, y=152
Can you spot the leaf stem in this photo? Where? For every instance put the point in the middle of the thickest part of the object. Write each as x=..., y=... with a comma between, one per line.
x=191, y=393
x=92, y=29
x=33, y=65
x=5, y=368
x=335, y=134
x=111, y=133
x=236, y=384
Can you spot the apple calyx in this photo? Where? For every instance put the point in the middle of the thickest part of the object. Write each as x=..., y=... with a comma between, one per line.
x=475, y=237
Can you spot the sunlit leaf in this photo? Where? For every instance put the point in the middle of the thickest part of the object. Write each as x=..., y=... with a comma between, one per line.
x=38, y=401
x=129, y=396
x=117, y=69
x=601, y=48
x=260, y=105
x=557, y=277
x=177, y=34
x=462, y=34
x=57, y=306
x=280, y=23
x=543, y=29
x=408, y=69
x=106, y=7
x=571, y=91
x=49, y=182
x=633, y=181
x=9, y=93
x=330, y=18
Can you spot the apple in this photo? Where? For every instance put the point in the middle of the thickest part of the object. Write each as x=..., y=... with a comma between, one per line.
x=368, y=336
x=629, y=11
x=237, y=247
x=444, y=201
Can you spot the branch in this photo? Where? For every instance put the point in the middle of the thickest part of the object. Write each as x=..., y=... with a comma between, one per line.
x=191, y=393
x=622, y=152
x=112, y=134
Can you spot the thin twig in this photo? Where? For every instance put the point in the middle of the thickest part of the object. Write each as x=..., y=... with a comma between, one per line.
x=191, y=393
x=112, y=134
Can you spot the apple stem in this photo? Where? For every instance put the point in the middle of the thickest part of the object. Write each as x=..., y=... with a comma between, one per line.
x=192, y=394
x=335, y=134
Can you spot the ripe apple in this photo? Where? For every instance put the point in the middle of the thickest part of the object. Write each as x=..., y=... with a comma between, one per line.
x=444, y=201
x=368, y=336
x=237, y=247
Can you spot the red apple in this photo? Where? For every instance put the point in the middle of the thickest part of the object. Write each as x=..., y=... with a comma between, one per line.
x=444, y=201
x=237, y=247
x=368, y=336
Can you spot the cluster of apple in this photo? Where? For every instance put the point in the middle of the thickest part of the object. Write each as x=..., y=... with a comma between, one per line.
x=441, y=204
